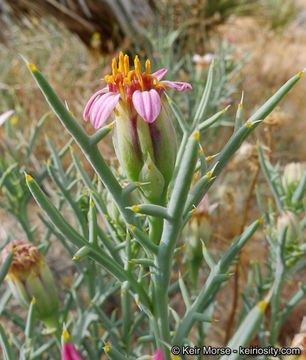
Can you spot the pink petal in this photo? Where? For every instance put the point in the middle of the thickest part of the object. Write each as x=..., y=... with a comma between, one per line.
x=159, y=74
x=102, y=108
x=5, y=116
x=147, y=104
x=158, y=355
x=177, y=85
x=69, y=352
x=91, y=101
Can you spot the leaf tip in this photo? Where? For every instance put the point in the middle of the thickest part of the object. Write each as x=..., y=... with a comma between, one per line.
x=29, y=178
x=262, y=305
x=32, y=67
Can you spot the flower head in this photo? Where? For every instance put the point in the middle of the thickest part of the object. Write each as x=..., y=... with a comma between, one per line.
x=30, y=277
x=26, y=258
x=144, y=137
x=139, y=92
x=69, y=352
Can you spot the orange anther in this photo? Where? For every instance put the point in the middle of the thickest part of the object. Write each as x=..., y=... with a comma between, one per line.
x=148, y=67
x=126, y=64
x=137, y=65
x=114, y=67
x=121, y=62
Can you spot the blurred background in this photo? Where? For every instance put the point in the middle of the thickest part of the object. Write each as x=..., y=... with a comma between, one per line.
x=256, y=45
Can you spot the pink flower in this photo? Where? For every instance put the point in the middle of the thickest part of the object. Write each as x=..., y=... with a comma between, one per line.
x=158, y=355
x=69, y=352
x=137, y=92
x=5, y=116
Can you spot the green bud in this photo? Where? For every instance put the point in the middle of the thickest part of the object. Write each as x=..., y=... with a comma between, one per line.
x=150, y=174
x=164, y=142
x=292, y=176
x=30, y=277
x=139, y=144
x=198, y=229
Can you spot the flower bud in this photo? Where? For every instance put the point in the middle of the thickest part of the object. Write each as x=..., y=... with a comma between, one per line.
x=142, y=124
x=29, y=276
x=294, y=230
x=197, y=229
x=69, y=352
x=154, y=188
x=292, y=176
x=158, y=355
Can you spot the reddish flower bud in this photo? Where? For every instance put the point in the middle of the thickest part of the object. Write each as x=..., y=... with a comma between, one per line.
x=69, y=352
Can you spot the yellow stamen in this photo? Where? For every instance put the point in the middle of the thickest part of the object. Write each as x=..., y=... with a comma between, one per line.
x=114, y=67
x=160, y=84
x=117, y=114
x=109, y=79
x=148, y=67
x=126, y=64
x=121, y=62
x=121, y=90
x=129, y=77
x=137, y=65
